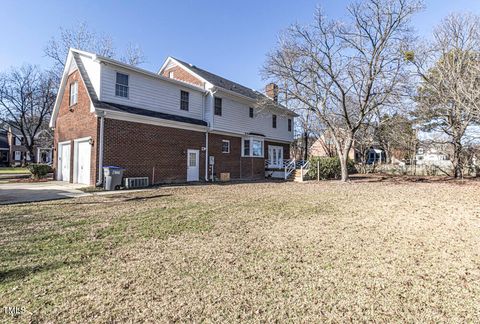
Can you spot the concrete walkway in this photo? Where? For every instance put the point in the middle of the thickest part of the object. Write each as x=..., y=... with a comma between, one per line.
x=15, y=193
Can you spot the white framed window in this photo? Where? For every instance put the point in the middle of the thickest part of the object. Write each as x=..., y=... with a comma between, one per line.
x=18, y=141
x=252, y=146
x=18, y=155
x=170, y=74
x=225, y=146
x=73, y=93
x=184, y=99
x=121, y=85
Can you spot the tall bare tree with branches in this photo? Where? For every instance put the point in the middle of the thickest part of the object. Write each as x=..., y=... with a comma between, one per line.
x=83, y=38
x=27, y=96
x=345, y=71
x=449, y=93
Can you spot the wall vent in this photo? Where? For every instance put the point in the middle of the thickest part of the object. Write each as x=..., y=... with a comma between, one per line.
x=138, y=182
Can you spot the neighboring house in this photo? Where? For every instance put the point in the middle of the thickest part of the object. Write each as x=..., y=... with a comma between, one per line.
x=433, y=155
x=4, y=149
x=180, y=124
x=325, y=147
x=17, y=152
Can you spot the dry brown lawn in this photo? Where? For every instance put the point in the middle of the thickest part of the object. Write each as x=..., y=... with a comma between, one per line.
x=301, y=252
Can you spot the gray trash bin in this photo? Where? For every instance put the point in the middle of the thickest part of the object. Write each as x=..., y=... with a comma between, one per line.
x=113, y=177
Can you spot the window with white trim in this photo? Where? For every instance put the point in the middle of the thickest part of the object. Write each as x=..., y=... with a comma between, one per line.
x=18, y=140
x=121, y=85
x=225, y=146
x=73, y=93
x=170, y=74
x=184, y=98
x=18, y=155
x=218, y=106
x=252, y=146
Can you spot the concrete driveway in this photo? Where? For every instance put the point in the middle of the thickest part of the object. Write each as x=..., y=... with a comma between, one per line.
x=15, y=193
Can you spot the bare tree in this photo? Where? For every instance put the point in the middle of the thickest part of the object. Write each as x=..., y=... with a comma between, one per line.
x=345, y=71
x=449, y=94
x=83, y=38
x=27, y=96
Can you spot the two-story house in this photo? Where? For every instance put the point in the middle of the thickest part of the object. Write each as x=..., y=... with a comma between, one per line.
x=180, y=124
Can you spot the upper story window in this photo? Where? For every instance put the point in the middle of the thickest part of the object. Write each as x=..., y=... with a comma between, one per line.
x=170, y=74
x=121, y=85
x=289, y=125
x=225, y=146
x=73, y=93
x=218, y=106
x=274, y=121
x=184, y=97
x=250, y=112
x=18, y=141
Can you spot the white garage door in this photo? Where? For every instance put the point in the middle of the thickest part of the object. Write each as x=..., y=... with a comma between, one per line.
x=64, y=162
x=83, y=162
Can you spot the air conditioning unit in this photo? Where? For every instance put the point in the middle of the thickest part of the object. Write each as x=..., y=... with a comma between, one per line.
x=138, y=182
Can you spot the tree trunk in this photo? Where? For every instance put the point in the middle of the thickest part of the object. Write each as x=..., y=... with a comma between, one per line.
x=344, y=158
x=305, y=142
x=343, y=164
x=457, y=160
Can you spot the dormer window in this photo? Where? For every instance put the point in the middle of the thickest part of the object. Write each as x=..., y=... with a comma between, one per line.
x=121, y=85
x=73, y=93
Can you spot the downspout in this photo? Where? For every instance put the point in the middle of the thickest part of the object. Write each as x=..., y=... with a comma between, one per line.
x=206, y=131
x=100, y=150
x=206, y=134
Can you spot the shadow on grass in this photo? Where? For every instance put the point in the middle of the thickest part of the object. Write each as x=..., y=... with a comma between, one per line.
x=115, y=199
x=20, y=273
x=399, y=179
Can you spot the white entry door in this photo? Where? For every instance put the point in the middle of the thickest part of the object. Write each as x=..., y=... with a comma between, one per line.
x=275, y=156
x=64, y=162
x=193, y=165
x=83, y=162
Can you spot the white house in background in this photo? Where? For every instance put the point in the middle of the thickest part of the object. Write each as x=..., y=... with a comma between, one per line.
x=433, y=155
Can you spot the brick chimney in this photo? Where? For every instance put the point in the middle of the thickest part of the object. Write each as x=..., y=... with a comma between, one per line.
x=271, y=90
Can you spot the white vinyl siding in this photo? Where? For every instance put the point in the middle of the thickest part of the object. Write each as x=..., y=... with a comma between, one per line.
x=93, y=70
x=150, y=93
x=236, y=119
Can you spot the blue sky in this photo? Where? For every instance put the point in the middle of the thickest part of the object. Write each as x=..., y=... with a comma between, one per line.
x=229, y=38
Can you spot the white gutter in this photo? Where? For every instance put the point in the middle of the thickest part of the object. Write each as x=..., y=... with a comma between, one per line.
x=100, y=149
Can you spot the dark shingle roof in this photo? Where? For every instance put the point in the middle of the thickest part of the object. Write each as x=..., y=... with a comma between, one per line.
x=148, y=113
x=224, y=83
x=128, y=109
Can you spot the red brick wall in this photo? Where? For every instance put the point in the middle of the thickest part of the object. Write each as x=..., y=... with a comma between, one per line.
x=180, y=74
x=239, y=167
x=76, y=122
x=159, y=153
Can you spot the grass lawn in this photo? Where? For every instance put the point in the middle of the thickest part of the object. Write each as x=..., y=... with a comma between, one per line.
x=13, y=170
x=304, y=252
